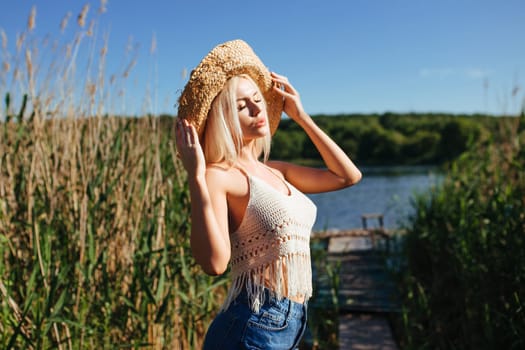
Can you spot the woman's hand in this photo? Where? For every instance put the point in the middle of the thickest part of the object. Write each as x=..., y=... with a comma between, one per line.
x=340, y=171
x=189, y=149
x=292, y=101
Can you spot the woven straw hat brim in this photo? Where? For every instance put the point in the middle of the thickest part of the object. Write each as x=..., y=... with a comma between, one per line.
x=209, y=77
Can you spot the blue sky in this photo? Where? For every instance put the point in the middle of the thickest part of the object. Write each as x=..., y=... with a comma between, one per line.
x=346, y=56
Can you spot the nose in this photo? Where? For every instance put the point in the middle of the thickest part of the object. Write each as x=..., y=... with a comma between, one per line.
x=255, y=109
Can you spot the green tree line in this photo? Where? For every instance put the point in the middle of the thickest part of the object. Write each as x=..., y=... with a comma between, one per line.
x=388, y=138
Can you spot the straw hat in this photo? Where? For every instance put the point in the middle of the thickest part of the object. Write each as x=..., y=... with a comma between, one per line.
x=208, y=78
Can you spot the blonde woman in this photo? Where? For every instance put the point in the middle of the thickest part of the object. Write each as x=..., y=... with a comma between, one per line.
x=247, y=212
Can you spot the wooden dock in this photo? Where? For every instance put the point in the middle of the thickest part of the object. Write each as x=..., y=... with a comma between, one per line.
x=367, y=294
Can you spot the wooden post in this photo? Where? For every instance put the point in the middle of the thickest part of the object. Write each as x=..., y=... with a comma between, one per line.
x=364, y=220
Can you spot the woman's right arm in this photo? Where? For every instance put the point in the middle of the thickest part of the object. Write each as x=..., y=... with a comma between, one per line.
x=209, y=240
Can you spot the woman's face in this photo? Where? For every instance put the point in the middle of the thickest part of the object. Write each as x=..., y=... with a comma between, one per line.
x=252, y=110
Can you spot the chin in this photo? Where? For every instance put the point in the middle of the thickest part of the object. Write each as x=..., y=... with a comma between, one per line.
x=264, y=132
x=255, y=136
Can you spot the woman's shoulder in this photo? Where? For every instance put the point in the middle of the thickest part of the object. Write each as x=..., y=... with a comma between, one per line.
x=223, y=176
x=278, y=167
x=220, y=169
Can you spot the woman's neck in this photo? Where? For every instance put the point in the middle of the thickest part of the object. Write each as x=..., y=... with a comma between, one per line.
x=247, y=155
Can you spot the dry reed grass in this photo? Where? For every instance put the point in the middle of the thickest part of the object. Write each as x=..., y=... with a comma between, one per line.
x=94, y=229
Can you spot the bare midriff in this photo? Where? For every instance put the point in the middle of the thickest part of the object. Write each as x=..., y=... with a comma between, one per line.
x=269, y=283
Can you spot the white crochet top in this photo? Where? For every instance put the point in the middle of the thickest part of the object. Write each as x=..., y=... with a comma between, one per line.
x=271, y=247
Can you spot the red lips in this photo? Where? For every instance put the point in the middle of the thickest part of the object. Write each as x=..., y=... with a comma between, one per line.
x=260, y=123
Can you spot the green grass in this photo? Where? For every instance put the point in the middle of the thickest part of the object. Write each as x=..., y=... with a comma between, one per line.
x=94, y=221
x=95, y=238
x=464, y=284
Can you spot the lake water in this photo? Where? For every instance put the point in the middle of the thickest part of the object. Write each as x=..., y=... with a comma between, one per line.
x=386, y=191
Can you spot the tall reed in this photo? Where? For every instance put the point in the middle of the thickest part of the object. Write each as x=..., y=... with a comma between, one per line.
x=464, y=284
x=94, y=220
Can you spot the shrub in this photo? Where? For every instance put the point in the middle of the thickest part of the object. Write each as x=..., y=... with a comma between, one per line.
x=464, y=284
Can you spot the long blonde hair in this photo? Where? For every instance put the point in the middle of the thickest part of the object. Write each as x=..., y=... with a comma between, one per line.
x=222, y=139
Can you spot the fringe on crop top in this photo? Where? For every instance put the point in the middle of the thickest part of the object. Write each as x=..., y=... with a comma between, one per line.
x=271, y=247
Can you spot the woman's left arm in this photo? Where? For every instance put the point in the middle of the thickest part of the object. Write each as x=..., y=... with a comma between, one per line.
x=340, y=171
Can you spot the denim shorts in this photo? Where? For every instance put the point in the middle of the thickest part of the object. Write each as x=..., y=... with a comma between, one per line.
x=279, y=324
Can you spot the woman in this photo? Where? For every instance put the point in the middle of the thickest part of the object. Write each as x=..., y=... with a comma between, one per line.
x=246, y=211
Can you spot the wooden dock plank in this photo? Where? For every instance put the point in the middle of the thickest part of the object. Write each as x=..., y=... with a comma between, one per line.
x=365, y=332
x=366, y=293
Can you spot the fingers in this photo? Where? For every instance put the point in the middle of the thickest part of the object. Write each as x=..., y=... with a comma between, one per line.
x=186, y=134
x=189, y=150
x=278, y=76
x=292, y=101
x=279, y=80
x=282, y=85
